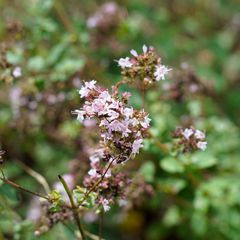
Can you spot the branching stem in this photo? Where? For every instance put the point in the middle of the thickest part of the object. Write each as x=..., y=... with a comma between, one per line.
x=17, y=186
x=74, y=207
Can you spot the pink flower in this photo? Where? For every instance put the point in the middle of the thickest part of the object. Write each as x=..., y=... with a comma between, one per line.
x=112, y=115
x=137, y=144
x=128, y=112
x=98, y=106
x=145, y=122
x=105, y=96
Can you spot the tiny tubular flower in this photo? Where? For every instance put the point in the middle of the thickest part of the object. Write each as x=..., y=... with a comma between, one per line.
x=134, y=53
x=85, y=90
x=199, y=134
x=91, y=84
x=124, y=63
x=80, y=114
x=188, y=132
x=161, y=71
x=145, y=49
x=93, y=173
x=137, y=144
x=17, y=72
x=202, y=145
x=190, y=139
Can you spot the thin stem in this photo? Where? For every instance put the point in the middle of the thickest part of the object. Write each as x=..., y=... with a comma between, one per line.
x=15, y=185
x=2, y=173
x=39, y=178
x=74, y=207
x=97, y=183
x=63, y=16
x=100, y=225
x=143, y=97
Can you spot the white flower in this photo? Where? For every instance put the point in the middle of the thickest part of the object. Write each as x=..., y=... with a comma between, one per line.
x=94, y=159
x=137, y=144
x=80, y=114
x=134, y=53
x=146, y=122
x=124, y=63
x=187, y=133
x=133, y=122
x=92, y=21
x=112, y=115
x=114, y=104
x=160, y=72
x=105, y=204
x=202, y=145
x=199, y=134
x=145, y=49
x=128, y=112
x=91, y=84
x=93, y=173
x=17, y=72
x=83, y=92
x=108, y=173
x=105, y=96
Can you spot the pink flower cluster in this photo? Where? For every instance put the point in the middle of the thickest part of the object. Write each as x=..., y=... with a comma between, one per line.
x=191, y=139
x=122, y=128
x=146, y=67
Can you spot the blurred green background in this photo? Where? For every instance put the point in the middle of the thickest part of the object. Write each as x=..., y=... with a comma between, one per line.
x=57, y=44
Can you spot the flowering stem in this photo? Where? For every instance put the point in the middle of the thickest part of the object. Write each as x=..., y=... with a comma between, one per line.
x=143, y=97
x=97, y=183
x=15, y=185
x=74, y=207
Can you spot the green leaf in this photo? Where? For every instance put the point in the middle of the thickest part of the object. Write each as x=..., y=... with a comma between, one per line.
x=172, y=216
x=148, y=171
x=203, y=160
x=8, y=192
x=171, y=165
x=172, y=185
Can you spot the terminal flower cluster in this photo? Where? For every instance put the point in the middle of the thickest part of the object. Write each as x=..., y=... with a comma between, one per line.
x=146, y=67
x=191, y=139
x=122, y=128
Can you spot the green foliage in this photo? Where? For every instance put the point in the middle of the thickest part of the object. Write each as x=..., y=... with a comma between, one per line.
x=196, y=195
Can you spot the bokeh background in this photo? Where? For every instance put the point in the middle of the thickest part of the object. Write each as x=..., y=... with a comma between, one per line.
x=47, y=48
